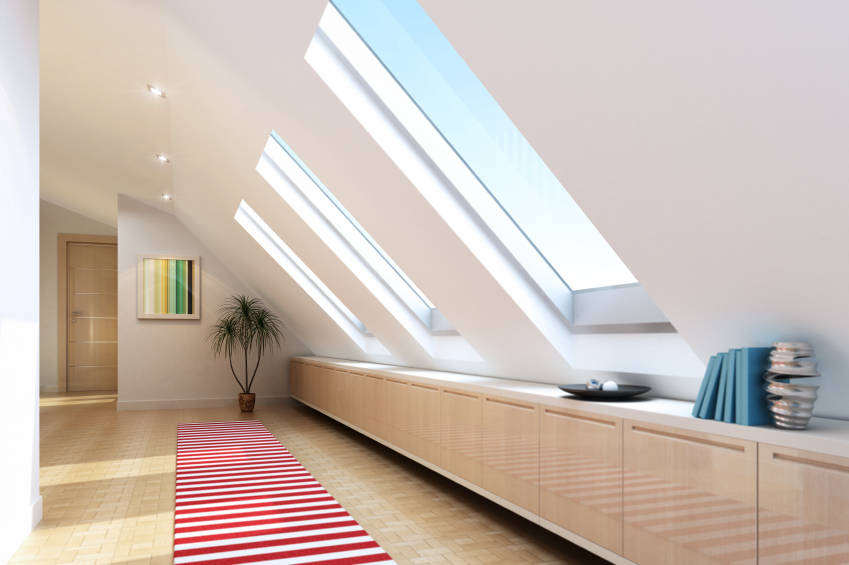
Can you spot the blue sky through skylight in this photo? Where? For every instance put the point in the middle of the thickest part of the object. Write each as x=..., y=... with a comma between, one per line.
x=425, y=64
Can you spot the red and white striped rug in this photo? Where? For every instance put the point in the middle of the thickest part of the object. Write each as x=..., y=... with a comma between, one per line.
x=243, y=498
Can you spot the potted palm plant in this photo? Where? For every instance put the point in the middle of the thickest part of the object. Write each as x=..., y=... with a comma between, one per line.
x=245, y=324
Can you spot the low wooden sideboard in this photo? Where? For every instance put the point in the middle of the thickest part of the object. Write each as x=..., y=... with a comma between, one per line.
x=639, y=482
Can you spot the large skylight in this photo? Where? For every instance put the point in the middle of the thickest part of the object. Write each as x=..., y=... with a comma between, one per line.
x=424, y=63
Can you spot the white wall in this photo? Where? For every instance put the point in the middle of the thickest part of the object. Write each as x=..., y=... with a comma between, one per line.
x=55, y=220
x=20, y=502
x=706, y=141
x=168, y=363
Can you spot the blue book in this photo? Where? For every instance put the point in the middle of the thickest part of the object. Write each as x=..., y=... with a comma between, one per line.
x=703, y=388
x=753, y=365
x=708, y=407
x=738, y=389
x=720, y=389
x=730, y=389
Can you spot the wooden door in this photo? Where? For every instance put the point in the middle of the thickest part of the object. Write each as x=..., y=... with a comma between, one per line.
x=92, y=317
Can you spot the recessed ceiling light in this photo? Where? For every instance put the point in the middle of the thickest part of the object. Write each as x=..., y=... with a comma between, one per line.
x=156, y=91
x=163, y=159
x=166, y=197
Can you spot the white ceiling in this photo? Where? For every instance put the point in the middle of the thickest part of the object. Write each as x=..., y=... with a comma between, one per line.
x=707, y=141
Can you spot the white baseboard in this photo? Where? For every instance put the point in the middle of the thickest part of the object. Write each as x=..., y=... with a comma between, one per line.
x=37, y=510
x=49, y=388
x=230, y=402
x=16, y=526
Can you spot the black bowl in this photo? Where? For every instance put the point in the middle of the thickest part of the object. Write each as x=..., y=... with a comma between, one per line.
x=625, y=391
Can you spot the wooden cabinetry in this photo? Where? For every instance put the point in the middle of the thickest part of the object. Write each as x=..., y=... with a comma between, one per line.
x=373, y=400
x=510, y=451
x=296, y=379
x=689, y=497
x=423, y=421
x=395, y=413
x=460, y=433
x=804, y=507
x=581, y=474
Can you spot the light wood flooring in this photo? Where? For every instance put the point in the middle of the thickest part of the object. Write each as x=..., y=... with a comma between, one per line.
x=107, y=479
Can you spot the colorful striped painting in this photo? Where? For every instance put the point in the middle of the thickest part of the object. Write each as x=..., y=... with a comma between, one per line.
x=168, y=286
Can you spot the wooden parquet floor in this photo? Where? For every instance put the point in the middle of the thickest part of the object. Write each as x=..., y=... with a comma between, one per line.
x=107, y=480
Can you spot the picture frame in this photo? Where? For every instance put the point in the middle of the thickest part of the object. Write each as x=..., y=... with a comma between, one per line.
x=168, y=287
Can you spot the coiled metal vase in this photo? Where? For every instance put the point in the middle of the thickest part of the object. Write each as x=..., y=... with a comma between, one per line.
x=791, y=404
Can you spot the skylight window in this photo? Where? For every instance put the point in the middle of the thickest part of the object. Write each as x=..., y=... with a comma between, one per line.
x=418, y=293
x=307, y=280
x=325, y=215
x=451, y=140
x=433, y=74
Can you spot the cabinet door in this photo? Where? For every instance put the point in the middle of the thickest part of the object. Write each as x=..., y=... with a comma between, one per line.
x=309, y=384
x=295, y=380
x=804, y=507
x=510, y=454
x=323, y=387
x=460, y=433
x=423, y=421
x=356, y=397
x=581, y=474
x=373, y=403
x=395, y=411
x=689, y=497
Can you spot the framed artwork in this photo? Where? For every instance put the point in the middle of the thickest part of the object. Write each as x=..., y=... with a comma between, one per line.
x=169, y=287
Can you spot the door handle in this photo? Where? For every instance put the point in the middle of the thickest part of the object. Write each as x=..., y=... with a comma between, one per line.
x=73, y=314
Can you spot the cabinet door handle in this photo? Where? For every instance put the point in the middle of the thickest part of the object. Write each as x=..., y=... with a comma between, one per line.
x=425, y=387
x=581, y=418
x=811, y=462
x=512, y=404
x=462, y=394
x=690, y=439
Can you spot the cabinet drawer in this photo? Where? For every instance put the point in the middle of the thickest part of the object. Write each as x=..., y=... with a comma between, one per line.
x=804, y=506
x=688, y=497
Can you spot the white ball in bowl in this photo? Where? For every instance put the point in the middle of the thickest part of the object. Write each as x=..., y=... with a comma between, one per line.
x=609, y=385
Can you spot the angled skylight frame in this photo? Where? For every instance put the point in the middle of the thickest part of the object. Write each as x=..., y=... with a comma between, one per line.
x=422, y=61
x=307, y=280
x=418, y=293
x=290, y=177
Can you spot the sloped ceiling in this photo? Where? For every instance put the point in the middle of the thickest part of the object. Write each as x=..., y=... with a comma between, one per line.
x=705, y=142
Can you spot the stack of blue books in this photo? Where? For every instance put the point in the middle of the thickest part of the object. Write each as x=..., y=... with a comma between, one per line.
x=733, y=388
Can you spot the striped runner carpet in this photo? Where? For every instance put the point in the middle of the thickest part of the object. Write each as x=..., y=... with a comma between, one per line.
x=243, y=498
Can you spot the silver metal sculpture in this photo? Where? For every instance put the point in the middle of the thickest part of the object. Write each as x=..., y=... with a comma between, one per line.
x=791, y=404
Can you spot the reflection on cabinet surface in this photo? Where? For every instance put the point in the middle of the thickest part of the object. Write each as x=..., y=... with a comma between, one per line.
x=374, y=395
x=460, y=434
x=510, y=451
x=423, y=421
x=689, y=497
x=804, y=507
x=581, y=474
x=395, y=413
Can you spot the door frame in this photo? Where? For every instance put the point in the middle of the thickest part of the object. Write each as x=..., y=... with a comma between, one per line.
x=62, y=310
